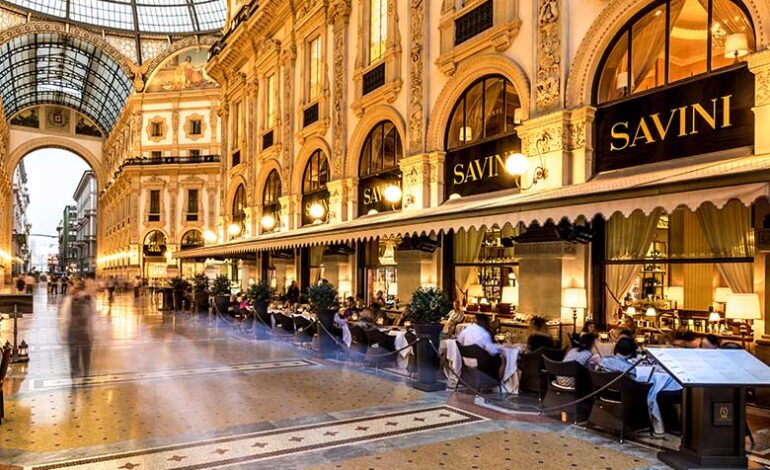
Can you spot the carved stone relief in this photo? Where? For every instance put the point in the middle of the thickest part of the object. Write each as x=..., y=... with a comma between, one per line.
x=548, y=87
x=416, y=112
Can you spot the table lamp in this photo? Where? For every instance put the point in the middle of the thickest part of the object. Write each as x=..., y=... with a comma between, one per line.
x=393, y=289
x=675, y=294
x=476, y=291
x=346, y=288
x=574, y=298
x=509, y=299
x=714, y=319
x=743, y=307
x=720, y=296
x=631, y=311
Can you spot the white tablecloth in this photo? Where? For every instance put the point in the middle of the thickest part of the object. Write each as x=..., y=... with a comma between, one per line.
x=454, y=363
x=511, y=370
x=401, y=343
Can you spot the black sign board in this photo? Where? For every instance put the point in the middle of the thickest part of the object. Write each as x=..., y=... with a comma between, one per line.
x=320, y=197
x=480, y=168
x=699, y=116
x=154, y=250
x=371, y=192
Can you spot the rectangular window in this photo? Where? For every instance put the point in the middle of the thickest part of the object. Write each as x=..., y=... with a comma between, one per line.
x=156, y=129
x=378, y=29
x=314, y=68
x=236, y=124
x=270, y=90
x=196, y=127
x=154, y=205
x=192, y=205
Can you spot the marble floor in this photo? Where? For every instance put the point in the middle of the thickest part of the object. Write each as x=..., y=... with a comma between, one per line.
x=172, y=392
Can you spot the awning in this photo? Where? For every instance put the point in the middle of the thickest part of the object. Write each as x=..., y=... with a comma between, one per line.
x=669, y=185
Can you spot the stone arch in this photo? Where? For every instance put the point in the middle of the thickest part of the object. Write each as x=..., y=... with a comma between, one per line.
x=190, y=42
x=310, y=146
x=372, y=117
x=470, y=71
x=149, y=230
x=128, y=65
x=267, y=166
x=48, y=141
x=236, y=181
x=616, y=14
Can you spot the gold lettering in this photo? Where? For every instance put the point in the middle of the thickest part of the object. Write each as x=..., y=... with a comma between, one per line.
x=682, y=121
x=711, y=119
x=726, y=122
x=620, y=135
x=499, y=163
x=480, y=170
x=469, y=173
x=644, y=129
x=662, y=131
x=459, y=173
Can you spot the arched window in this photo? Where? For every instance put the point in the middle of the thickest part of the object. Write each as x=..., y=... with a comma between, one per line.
x=487, y=110
x=272, y=192
x=382, y=150
x=239, y=204
x=192, y=239
x=155, y=244
x=673, y=40
x=316, y=173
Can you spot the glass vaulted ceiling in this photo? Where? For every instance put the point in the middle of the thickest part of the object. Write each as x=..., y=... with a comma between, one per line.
x=140, y=16
x=51, y=68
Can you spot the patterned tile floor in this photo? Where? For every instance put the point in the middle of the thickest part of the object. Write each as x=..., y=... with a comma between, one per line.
x=168, y=392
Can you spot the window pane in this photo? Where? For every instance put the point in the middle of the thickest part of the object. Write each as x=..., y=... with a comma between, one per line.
x=648, y=53
x=365, y=168
x=378, y=29
x=270, y=91
x=729, y=26
x=613, y=83
x=689, y=35
x=494, y=107
x=323, y=171
x=389, y=146
x=315, y=69
x=192, y=201
x=377, y=150
x=474, y=115
x=455, y=125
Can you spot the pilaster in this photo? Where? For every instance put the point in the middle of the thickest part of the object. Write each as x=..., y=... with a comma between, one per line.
x=290, y=212
x=338, y=197
x=415, y=185
x=543, y=140
x=759, y=65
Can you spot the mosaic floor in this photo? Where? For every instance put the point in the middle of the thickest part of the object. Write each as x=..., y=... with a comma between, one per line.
x=171, y=392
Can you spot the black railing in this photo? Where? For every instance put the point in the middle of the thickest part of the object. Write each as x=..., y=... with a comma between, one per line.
x=267, y=140
x=310, y=115
x=236, y=158
x=178, y=159
x=474, y=22
x=374, y=79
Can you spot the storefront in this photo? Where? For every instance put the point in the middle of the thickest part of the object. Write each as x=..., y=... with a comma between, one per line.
x=190, y=240
x=155, y=261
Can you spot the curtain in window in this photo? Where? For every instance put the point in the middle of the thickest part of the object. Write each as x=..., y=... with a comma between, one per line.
x=729, y=234
x=316, y=259
x=467, y=247
x=627, y=239
x=648, y=40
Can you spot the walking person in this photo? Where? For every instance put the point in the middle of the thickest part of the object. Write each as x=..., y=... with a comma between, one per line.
x=79, y=309
x=137, y=286
x=29, y=283
x=110, y=289
x=65, y=284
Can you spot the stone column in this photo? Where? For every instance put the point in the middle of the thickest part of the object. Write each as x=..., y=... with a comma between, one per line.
x=339, y=16
x=415, y=182
x=759, y=64
x=549, y=48
x=338, y=197
x=417, y=71
x=290, y=214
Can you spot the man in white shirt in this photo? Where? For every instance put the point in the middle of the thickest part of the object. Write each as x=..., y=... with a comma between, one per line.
x=478, y=334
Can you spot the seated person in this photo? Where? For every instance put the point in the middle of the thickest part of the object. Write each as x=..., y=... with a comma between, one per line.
x=684, y=338
x=583, y=354
x=589, y=327
x=350, y=308
x=623, y=359
x=478, y=334
x=710, y=342
x=455, y=317
x=539, y=336
x=626, y=327
x=366, y=320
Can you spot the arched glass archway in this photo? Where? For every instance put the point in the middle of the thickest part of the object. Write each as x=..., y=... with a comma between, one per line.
x=488, y=109
x=238, y=212
x=192, y=238
x=378, y=169
x=673, y=40
x=155, y=243
x=271, y=204
x=315, y=196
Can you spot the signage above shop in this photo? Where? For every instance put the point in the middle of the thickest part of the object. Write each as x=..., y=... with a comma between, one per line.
x=154, y=250
x=372, y=194
x=480, y=168
x=311, y=213
x=697, y=117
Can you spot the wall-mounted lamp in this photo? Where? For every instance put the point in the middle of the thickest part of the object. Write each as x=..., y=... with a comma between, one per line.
x=234, y=229
x=317, y=212
x=517, y=164
x=736, y=45
x=209, y=236
x=269, y=222
x=392, y=193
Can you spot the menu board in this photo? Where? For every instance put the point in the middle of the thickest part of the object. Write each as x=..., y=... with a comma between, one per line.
x=712, y=367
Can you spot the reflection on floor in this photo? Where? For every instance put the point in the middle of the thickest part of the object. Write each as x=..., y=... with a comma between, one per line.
x=167, y=391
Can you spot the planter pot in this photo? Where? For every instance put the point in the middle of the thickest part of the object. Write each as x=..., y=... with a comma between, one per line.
x=222, y=302
x=325, y=340
x=262, y=325
x=426, y=358
x=178, y=300
x=201, y=303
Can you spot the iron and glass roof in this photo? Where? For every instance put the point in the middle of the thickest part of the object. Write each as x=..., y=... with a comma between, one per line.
x=52, y=68
x=139, y=16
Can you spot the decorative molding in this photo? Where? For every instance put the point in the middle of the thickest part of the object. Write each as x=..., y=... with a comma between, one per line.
x=188, y=127
x=416, y=106
x=163, y=129
x=358, y=136
x=549, y=60
x=339, y=14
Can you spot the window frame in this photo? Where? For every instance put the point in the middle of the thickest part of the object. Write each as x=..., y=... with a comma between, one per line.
x=627, y=29
x=314, y=91
x=316, y=158
x=399, y=153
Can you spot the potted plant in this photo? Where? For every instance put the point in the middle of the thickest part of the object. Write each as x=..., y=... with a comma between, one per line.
x=323, y=300
x=259, y=294
x=428, y=306
x=179, y=286
x=200, y=288
x=220, y=289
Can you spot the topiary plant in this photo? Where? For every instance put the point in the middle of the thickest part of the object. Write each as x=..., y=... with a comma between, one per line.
x=200, y=282
x=178, y=283
x=323, y=297
x=429, y=305
x=220, y=286
x=259, y=292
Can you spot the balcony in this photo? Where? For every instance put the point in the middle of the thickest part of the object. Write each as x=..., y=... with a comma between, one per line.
x=474, y=22
x=170, y=160
x=373, y=79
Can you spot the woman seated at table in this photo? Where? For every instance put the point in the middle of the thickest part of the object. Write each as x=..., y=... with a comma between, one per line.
x=623, y=360
x=455, y=317
x=539, y=336
x=583, y=354
x=478, y=334
x=625, y=328
x=589, y=327
x=366, y=320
